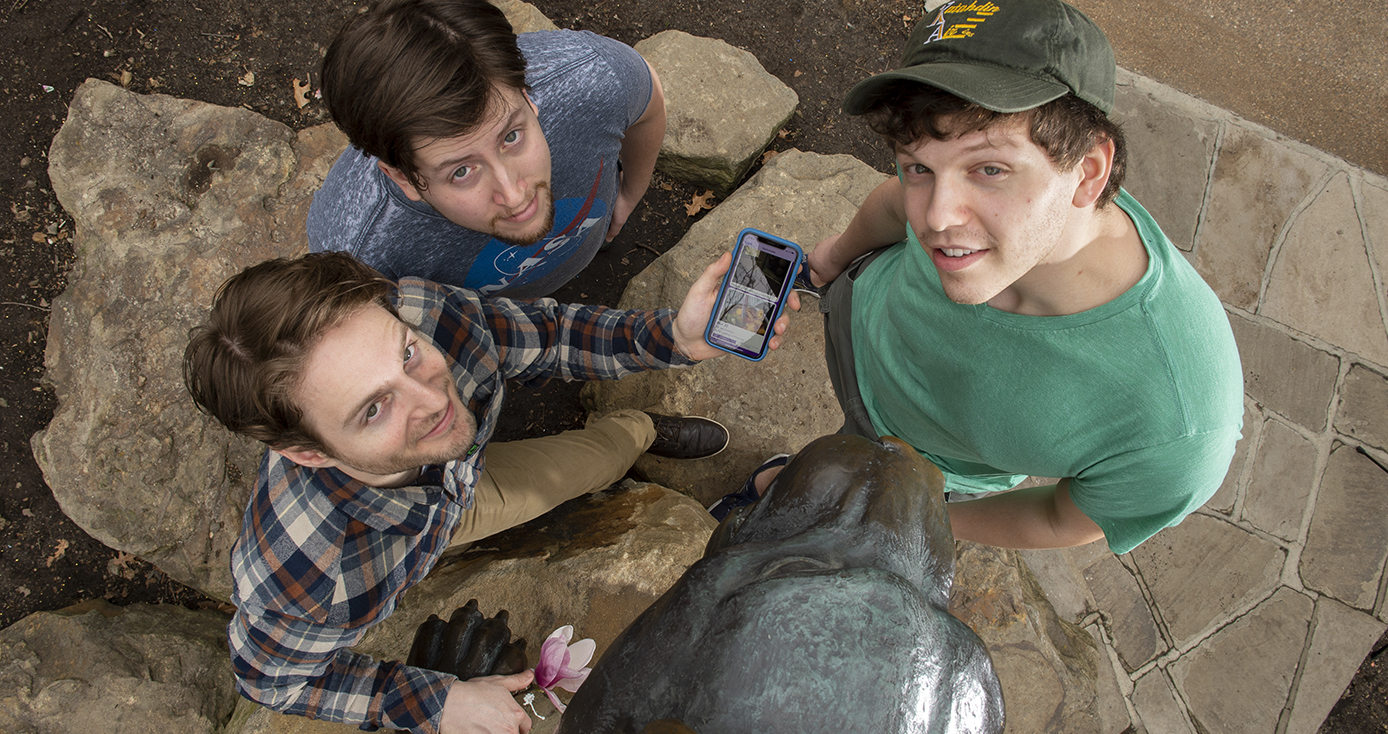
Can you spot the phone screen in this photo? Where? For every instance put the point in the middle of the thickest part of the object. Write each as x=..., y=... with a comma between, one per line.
x=760, y=276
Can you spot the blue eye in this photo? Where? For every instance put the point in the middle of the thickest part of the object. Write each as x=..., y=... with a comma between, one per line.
x=991, y=170
x=461, y=172
x=512, y=136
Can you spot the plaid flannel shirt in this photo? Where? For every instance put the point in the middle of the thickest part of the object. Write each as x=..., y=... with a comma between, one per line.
x=322, y=557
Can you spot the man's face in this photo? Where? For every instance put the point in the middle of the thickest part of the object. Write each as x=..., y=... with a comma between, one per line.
x=494, y=179
x=991, y=210
x=382, y=398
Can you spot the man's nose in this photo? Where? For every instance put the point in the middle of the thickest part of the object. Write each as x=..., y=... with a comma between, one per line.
x=945, y=205
x=510, y=187
x=429, y=397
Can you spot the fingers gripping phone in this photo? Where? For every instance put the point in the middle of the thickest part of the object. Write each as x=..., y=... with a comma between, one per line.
x=753, y=294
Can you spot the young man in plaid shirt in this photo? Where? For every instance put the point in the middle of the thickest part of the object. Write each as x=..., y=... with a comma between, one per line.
x=378, y=400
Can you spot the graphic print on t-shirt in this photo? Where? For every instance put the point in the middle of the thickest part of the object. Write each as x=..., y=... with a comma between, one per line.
x=502, y=264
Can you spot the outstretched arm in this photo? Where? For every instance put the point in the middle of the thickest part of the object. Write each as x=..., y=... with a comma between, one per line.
x=879, y=222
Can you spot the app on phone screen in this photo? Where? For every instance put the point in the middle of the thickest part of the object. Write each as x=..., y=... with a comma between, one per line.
x=749, y=304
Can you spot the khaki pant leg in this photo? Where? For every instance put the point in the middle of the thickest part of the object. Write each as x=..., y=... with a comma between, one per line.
x=525, y=479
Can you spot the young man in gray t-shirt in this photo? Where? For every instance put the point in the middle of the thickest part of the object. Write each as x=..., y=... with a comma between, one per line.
x=479, y=158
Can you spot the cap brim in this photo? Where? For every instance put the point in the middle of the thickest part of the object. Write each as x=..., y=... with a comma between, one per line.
x=1000, y=90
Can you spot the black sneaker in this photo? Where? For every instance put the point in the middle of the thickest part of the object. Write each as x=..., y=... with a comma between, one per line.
x=687, y=437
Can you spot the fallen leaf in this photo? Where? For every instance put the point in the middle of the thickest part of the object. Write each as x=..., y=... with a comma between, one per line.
x=667, y=186
x=27, y=512
x=798, y=72
x=120, y=565
x=300, y=94
x=247, y=80
x=699, y=203
x=783, y=133
x=20, y=215
x=125, y=77
x=768, y=155
x=23, y=590
x=39, y=237
x=59, y=553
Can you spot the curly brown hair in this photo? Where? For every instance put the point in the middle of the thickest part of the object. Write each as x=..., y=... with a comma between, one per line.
x=1067, y=128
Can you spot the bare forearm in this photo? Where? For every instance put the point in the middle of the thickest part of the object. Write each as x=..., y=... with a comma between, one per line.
x=1036, y=517
x=879, y=222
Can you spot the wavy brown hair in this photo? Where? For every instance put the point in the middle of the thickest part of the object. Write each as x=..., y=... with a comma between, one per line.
x=419, y=70
x=243, y=365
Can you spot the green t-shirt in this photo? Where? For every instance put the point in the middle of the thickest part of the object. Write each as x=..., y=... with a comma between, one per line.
x=1139, y=401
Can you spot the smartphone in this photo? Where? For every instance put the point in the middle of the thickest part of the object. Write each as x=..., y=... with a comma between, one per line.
x=753, y=294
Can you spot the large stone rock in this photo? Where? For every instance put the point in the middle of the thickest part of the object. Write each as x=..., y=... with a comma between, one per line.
x=595, y=562
x=1049, y=668
x=722, y=108
x=102, y=668
x=169, y=197
x=784, y=401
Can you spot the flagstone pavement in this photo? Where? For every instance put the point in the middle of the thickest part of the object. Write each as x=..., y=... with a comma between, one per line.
x=1254, y=614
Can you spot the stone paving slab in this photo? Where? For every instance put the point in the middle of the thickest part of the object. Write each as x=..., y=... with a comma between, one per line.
x=1281, y=480
x=1345, y=549
x=1115, y=589
x=1169, y=156
x=1239, y=679
x=1285, y=375
x=1257, y=184
x=1155, y=701
x=1363, y=410
x=1322, y=283
x=1227, y=495
x=1204, y=569
x=1339, y=633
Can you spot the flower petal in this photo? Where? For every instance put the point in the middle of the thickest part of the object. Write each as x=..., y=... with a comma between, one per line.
x=571, y=683
x=581, y=652
x=555, y=700
x=554, y=654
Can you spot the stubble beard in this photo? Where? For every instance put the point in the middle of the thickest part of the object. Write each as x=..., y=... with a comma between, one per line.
x=546, y=221
x=464, y=423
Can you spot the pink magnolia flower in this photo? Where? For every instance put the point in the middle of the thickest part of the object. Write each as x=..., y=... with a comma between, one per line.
x=563, y=665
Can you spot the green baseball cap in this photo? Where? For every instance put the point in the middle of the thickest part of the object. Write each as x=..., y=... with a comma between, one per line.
x=1004, y=55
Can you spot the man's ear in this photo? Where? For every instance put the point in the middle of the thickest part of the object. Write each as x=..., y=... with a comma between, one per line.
x=400, y=180
x=1094, y=169
x=310, y=458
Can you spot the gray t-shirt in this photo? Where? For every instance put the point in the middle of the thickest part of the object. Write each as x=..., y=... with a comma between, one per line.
x=589, y=90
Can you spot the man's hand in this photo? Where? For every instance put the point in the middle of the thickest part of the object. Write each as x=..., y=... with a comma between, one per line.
x=823, y=268
x=621, y=209
x=485, y=706
x=697, y=308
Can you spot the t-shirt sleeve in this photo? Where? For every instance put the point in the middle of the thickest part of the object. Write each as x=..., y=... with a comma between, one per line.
x=630, y=75
x=1133, y=495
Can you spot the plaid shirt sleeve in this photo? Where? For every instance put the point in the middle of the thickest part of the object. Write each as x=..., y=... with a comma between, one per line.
x=298, y=667
x=533, y=342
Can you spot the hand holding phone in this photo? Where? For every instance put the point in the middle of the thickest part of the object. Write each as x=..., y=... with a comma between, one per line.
x=753, y=294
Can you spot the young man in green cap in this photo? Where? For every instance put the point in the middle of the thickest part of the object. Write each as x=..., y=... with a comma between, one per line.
x=1014, y=312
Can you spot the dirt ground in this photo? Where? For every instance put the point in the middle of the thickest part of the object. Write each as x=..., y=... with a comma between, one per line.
x=251, y=54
